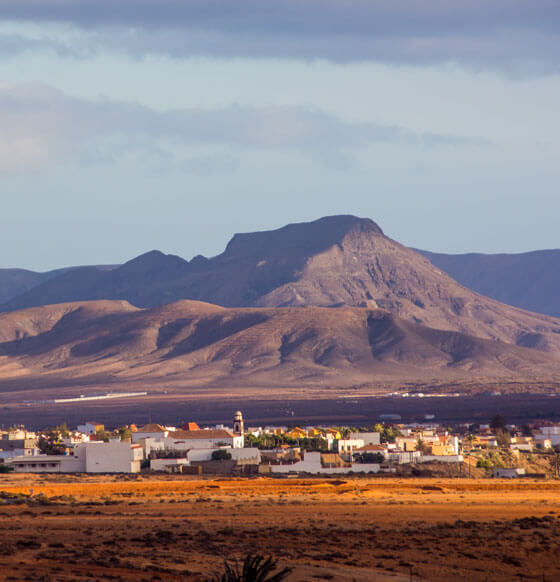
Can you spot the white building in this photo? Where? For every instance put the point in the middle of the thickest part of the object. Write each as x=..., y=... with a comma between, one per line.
x=90, y=427
x=506, y=473
x=552, y=433
x=312, y=463
x=150, y=431
x=245, y=456
x=369, y=438
x=185, y=440
x=94, y=457
x=348, y=445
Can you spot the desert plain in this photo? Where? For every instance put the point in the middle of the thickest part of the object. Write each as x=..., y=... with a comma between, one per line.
x=143, y=528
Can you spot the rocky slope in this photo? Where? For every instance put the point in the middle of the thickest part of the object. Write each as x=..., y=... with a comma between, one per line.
x=195, y=344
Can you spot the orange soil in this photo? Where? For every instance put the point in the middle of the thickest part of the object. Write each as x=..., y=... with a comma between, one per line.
x=337, y=529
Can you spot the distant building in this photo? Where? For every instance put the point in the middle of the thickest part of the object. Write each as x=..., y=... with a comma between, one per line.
x=389, y=417
x=505, y=473
x=90, y=427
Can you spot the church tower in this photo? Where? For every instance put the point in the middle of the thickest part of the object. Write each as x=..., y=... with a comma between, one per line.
x=238, y=424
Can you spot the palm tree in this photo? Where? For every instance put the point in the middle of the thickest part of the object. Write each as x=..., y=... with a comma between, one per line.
x=255, y=568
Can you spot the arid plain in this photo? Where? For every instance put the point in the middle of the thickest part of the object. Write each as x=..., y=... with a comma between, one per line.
x=386, y=529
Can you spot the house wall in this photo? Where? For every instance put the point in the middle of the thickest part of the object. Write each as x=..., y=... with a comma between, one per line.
x=369, y=438
x=138, y=436
x=48, y=464
x=348, y=445
x=311, y=463
x=165, y=464
x=111, y=457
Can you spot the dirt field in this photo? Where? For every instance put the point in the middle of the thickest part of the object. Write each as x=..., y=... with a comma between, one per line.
x=146, y=528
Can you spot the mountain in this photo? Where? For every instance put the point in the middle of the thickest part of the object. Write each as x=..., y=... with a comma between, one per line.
x=332, y=262
x=191, y=344
x=16, y=282
x=526, y=280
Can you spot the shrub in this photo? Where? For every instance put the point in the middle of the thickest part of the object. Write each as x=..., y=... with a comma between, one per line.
x=255, y=568
x=221, y=455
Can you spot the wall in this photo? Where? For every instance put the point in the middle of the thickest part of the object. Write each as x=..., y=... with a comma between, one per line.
x=441, y=458
x=311, y=463
x=163, y=464
x=111, y=457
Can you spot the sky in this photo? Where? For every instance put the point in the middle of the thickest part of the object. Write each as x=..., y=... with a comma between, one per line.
x=172, y=125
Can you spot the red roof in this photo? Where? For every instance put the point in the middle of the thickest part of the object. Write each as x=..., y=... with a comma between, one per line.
x=190, y=426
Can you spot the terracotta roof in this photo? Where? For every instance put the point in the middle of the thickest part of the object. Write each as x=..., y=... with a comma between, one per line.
x=190, y=426
x=201, y=434
x=371, y=448
x=152, y=428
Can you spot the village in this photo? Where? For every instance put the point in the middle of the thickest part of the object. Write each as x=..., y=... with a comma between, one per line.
x=496, y=449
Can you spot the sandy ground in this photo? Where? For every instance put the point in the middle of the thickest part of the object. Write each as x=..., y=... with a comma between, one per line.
x=181, y=528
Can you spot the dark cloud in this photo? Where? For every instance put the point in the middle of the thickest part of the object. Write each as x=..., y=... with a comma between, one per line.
x=516, y=35
x=48, y=124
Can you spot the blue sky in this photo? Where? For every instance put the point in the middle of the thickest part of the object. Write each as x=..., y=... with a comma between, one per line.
x=172, y=125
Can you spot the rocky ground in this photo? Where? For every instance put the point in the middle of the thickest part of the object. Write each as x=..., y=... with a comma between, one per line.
x=170, y=528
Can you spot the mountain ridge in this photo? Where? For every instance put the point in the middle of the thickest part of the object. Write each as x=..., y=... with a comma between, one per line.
x=526, y=280
x=331, y=262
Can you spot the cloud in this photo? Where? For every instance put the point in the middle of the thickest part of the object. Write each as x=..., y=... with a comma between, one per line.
x=512, y=35
x=45, y=124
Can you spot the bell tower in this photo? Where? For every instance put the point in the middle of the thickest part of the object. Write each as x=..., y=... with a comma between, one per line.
x=238, y=424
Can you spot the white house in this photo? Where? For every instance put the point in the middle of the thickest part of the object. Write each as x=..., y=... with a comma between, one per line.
x=348, y=445
x=506, y=473
x=369, y=438
x=94, y=457
x=185, y=440
x=90, y=427
x=312, y=463
x=150, y=431
x=245, y=456
x=552, y=433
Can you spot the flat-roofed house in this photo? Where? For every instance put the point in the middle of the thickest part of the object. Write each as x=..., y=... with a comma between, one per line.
x=202, y=439
x=90, y=427
x=94, y=457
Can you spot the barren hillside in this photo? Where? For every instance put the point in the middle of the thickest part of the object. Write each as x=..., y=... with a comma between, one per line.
x=195, y=344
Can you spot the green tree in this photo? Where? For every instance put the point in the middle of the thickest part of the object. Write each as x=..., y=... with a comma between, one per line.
x=503, y=437
x=221, y=455
x=102, y=435
x=389, y=434
x=498, y=422
x=62, y=429
x=422, y=446
x=125, y=433
x=368, y=458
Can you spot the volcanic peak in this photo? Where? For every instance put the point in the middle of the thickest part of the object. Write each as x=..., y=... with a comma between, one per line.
x=307, y=238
